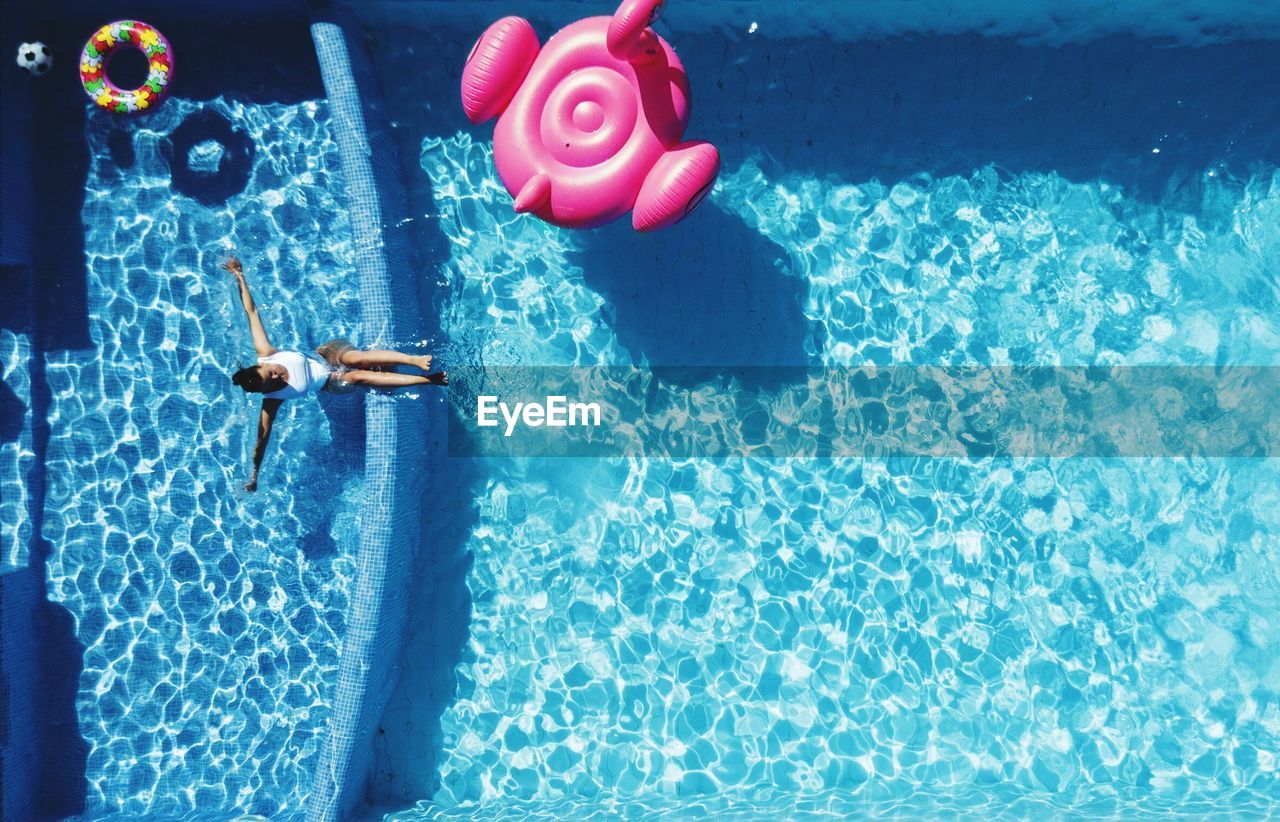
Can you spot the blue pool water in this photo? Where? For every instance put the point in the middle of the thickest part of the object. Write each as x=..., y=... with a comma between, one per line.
x=15, y=454
x=903, y=184
x=210, y=618
x=741, y=638
x=1071, y=628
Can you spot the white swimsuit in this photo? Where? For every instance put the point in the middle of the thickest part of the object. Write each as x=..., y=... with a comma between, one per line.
x=306, y=374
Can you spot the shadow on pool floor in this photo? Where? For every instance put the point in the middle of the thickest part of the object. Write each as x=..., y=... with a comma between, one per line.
x=708, y=291
x=42, y=659
x=893, y=108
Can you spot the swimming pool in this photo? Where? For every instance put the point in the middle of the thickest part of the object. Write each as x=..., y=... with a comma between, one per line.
x=902, y=636
x=202, y=624
x=903, y=184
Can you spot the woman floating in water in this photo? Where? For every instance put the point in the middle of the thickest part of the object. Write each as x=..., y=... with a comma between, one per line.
x=286, y=375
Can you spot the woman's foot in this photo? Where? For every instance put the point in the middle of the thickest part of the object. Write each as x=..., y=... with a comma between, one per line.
x=438, y=378
x=423, y=361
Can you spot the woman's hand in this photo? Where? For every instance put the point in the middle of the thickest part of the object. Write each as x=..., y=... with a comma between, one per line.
x=261, y=344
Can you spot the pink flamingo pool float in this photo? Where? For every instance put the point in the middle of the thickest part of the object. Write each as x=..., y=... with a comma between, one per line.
x=589, y=127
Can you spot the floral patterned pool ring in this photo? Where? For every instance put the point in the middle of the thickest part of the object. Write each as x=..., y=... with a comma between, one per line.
x=97, y=56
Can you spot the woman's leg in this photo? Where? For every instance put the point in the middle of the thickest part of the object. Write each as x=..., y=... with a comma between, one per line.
x=390, y=379
x=354, y=358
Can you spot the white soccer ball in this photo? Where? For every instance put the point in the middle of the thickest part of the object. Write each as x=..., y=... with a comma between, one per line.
x=35, y=58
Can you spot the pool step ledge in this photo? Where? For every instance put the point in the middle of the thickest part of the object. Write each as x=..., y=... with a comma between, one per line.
x=395, y=466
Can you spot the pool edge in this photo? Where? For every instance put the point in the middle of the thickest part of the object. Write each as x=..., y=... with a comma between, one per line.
x=395, y=466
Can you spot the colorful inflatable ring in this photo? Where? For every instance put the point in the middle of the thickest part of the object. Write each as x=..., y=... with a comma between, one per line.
x=97, y=56
x=591, y=125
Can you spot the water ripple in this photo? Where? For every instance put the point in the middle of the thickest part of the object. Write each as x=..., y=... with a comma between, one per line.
x=210, y=639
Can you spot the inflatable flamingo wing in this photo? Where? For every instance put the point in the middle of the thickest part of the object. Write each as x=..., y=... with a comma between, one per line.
x=590, y=125
x=496, y=67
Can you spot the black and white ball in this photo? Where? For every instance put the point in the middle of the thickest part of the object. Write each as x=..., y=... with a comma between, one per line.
x=35, y=58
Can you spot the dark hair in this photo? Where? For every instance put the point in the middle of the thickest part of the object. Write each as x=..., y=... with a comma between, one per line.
x=249, y=379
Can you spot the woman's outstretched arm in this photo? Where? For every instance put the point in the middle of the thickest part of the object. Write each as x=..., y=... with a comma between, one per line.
x=260, y=342
x=265, y=420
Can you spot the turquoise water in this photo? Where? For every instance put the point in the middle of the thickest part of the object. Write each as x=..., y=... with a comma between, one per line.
x=732, y=639
x=747, y=637
x=211, y=618
x=16, y=455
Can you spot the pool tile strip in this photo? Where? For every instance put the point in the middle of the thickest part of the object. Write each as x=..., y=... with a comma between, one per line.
x=394, y=438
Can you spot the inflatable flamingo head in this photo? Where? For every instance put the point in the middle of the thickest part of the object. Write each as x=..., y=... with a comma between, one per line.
x=590, y=126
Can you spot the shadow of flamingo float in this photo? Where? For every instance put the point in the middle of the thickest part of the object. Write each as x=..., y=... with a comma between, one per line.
x=589, y=128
